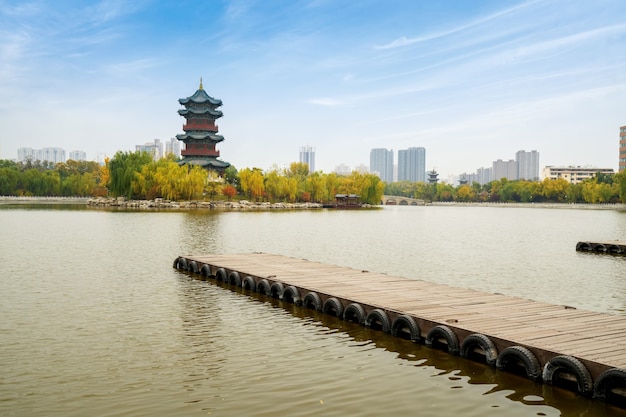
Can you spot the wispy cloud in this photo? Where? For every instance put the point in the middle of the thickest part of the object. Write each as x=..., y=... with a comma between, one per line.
x=131, y=67
x=559, y=45
x=326, y=102
x=404, y=41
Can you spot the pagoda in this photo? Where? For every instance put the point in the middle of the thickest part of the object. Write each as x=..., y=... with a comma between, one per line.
x=200, y=137
x=433, y=176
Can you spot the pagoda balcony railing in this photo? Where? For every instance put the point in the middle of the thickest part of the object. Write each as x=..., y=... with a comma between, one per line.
x=200, y=126
x=200, y=152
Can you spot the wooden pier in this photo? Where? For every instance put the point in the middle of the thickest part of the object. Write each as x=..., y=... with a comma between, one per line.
x=614, y=247
x=580, y=350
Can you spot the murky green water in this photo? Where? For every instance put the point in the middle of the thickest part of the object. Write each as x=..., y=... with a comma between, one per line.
x=95, y=321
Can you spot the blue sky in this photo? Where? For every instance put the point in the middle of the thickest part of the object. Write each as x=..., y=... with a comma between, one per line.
x=470, y=81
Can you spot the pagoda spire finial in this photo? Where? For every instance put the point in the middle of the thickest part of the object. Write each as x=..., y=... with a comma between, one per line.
x=200, y=88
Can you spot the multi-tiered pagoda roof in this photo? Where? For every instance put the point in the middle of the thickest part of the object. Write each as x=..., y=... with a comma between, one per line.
x=200, y=137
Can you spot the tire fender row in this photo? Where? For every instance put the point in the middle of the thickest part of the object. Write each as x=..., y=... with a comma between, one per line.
x=608, y=386
x=609, y=248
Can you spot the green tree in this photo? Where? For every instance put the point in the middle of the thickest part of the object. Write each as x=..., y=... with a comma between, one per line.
x=290, y=190
x=555, y=190
x=273, y=185
x=315, y=184
x=123, y=169
x=620, y=181
x=213, y=185
x=252, y=182
x=194, y=181
x=9, y=178
x=444, y=192
x=231, y=176
x=464, y=193
x=332, y=186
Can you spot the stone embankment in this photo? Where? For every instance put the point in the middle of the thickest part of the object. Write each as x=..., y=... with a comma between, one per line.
x=603, y=206
x=159, y=203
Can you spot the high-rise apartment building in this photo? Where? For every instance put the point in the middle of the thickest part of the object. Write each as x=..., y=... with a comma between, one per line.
x=622, y=148
x=412, y=165
x=153, y=148
x=307, y=156
x=342, y=169
x=483, y=175
x=54, y=155
x=24, y=153
x=527, y=165
x=78, y=155
x=504, y=169
x=173, y=147
x=381, y=163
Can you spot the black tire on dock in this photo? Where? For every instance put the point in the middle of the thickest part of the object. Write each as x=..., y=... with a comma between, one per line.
x=607, y=382
x=354, y=313
x=564, y=364
x=175, y=265
x=614, y=250
x=220, y=275
x=599, y=248
x=439, y=333
x=205, y=271
x=377, y=319
x=479, y=341
x=249, y=283
x=292, y=295
x=263, y=287
x=182, y=263
x=234, y=279
x=192, y=267
x=513, y=358
x=333, y=307
x=276, y=290
x=584, y=246
x=403, y=322
x=312, y=300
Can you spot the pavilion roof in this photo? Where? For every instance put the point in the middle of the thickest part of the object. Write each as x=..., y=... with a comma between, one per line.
x=200, y=96
x=205, y=162
x=194, y=110
x=200, y=136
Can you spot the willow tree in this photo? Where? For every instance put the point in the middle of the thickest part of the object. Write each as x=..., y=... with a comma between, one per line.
x=123, y=169
x=252, y=182
x=620, y=180
x=274, y=185
x=315, y=184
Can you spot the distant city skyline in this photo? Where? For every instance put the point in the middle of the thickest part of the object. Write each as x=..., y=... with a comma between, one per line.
x=525, y=166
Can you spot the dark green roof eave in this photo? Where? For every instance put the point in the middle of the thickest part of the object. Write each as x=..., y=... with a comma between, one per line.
x=213, y=163
x=212, y=112
x=202, y=136
x=200, y=96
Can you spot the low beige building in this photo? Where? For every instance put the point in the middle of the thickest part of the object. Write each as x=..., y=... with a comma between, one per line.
x=574, y=175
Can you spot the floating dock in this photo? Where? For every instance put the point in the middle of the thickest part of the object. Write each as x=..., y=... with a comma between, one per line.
x=615, y=247
x=579, y=350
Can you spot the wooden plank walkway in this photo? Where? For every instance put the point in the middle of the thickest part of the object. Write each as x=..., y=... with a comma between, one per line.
x=597, y=340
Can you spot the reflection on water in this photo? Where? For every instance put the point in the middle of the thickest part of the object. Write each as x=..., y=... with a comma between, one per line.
x=96, y=321
x=453, y=372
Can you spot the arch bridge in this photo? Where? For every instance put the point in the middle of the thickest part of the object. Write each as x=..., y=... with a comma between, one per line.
x=394, y=200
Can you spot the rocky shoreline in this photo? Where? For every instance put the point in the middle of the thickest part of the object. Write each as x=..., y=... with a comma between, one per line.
x=159, y=203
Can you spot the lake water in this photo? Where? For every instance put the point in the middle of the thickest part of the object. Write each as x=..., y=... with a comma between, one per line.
x=95, y=321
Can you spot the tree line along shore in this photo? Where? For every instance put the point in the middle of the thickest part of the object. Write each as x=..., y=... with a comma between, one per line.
x=137, y=177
